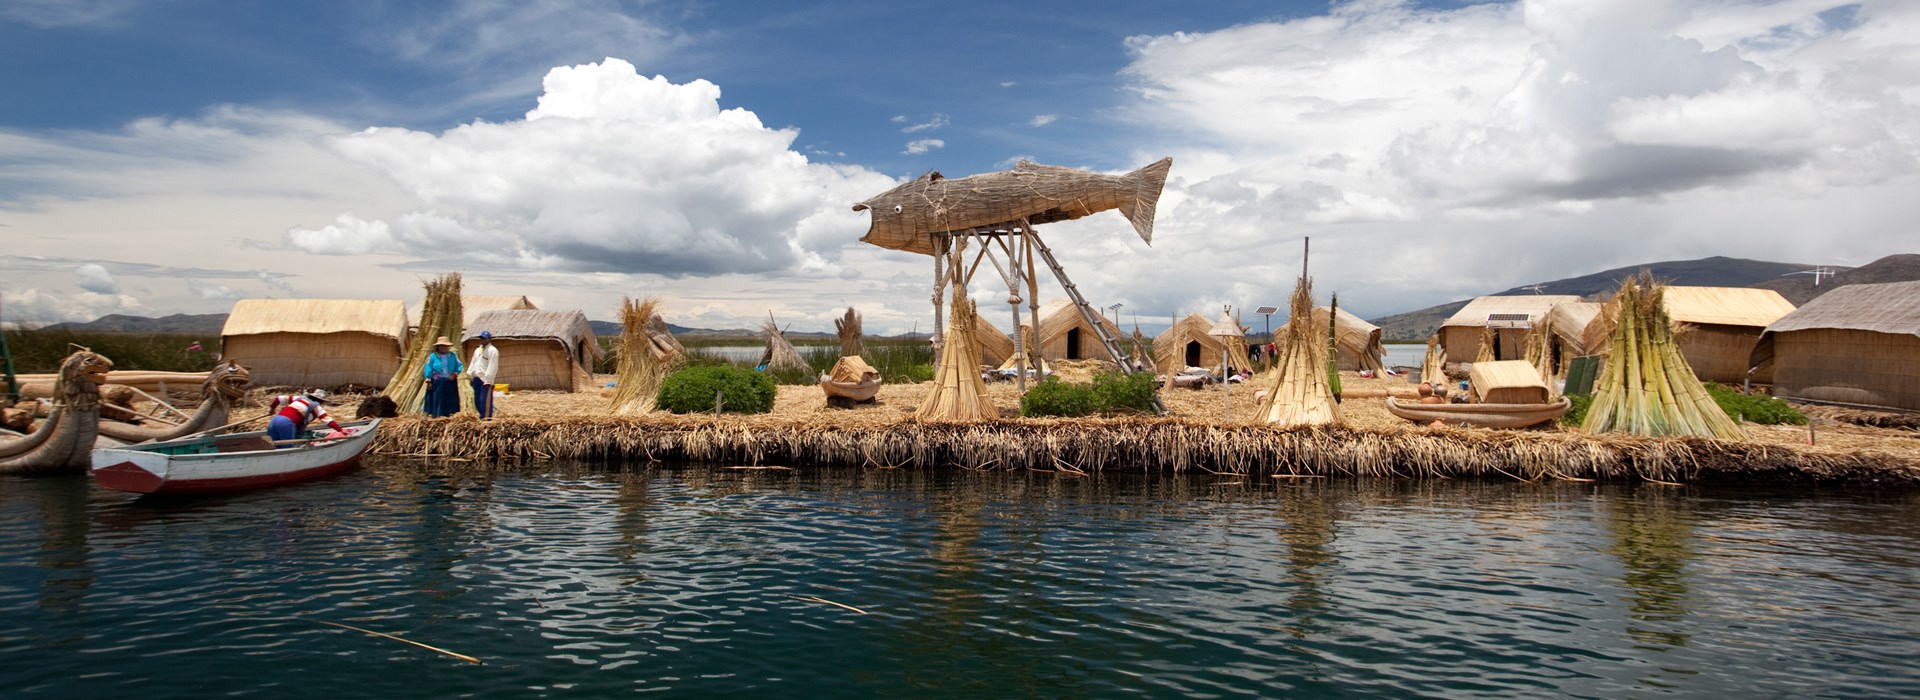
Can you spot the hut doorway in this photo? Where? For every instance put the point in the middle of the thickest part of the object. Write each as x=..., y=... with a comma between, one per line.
x=1073, y=343
x=1193, y=353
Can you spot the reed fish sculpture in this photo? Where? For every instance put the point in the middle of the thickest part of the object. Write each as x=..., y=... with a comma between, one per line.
x=906, y=217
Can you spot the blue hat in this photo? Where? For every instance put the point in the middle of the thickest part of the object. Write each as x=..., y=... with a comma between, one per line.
x=486, y=335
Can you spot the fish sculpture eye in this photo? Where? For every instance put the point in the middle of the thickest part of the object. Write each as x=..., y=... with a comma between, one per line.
x=898, y=208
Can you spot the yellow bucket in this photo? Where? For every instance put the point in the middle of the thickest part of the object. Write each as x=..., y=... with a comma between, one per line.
x=502, y=388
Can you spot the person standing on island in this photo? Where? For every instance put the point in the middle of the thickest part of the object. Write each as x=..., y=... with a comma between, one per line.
x=481, y=370
x=443, y=395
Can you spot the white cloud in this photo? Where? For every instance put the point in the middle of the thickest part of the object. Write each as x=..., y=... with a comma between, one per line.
x=32, y=307
x=611, y=172
x=919, y=146
x=212, y=291
x=934, y=122
x=1043, y=119
x=95, y=278
x=1568, y=135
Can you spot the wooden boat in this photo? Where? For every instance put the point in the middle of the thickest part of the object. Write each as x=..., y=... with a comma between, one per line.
x=1485, y=415
x=228, y=463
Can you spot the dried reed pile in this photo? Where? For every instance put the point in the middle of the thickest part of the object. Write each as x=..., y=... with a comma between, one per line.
x=1034, y=361
x=780, y=355
x=1647, y=387
x=1433, y=369
x=1133, y=444
x=958, y=392
x=1540, y=357
x=848, y=326
x=647, y=352
x=1487, y=339
x=1301, y=394
x=440, y=317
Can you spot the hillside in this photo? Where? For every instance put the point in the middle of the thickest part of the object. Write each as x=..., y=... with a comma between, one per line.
x=1706, y=272
x=209, y=324
x=1800, y=289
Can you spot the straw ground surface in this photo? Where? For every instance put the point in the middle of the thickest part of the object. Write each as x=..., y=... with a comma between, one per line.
x=1198, y=434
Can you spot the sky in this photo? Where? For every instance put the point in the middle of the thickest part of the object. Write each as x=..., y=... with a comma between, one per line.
x=173, y=156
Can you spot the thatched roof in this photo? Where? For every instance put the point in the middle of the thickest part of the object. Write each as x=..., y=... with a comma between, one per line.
x=1354, y=336
x=1059, y=316
x=1169, y=347
x=1882, y=308
x=993, y=345
x=570, y=328
x=1570, y=321
x=1474, y=314
x=1726, y=306
x=381, y=317
x=472, y=305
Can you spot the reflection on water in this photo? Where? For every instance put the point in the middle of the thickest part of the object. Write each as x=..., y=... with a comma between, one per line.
x=575, y=582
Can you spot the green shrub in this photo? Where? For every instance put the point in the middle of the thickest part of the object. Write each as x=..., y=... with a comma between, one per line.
x=1577, y=413
x=1118, y=391
x=1052, y=397
x=1109, y=392
x=1755, y=408
x=691, y=390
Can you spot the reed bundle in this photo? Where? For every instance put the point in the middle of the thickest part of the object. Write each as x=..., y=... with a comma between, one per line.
x=1647, y=387
x=440, y=316
x=1540, y=357
x=1135, y=444
x=1301, y=394
x=1433, y=369
x=958, y=393
x=780, y=355
x=646, y=353
x=1487, y=339
x=848, y=327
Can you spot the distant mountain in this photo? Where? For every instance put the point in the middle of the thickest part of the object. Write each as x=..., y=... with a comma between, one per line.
x=1706, y=272
x=208, y=324
x=1800, y=289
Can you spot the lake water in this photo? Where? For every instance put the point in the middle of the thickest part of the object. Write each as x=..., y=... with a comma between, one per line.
x=572, y=582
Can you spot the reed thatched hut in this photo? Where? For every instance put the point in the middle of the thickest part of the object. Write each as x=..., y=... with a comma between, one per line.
x=1187, y=344
x=538, y=349
x=1721, y=326
x=1859, y=344
x=1064, y=335
x=472, y=305
x=316, y=342
x=1567, y=332
x=994, y=346
x=1507, y=319
x=1356, y=343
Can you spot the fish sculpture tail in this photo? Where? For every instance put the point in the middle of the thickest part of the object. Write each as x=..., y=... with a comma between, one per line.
x=1144, y=187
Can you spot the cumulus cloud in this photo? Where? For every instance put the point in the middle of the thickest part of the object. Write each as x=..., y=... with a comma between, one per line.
x=33, y=307
x=610, y=172
x=919, y=146
x=1043, y=119
x=94, y=278
x=1397, y=134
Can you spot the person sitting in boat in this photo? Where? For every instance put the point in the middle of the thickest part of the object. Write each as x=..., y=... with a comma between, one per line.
x=443, y=395
x=293, y=412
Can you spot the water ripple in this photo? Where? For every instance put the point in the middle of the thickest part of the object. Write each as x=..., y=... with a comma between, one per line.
x=576, y=582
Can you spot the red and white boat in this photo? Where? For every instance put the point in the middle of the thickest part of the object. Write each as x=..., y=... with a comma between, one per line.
x=227, y=463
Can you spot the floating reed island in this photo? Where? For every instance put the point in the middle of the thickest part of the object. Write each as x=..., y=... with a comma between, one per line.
x=802, y=432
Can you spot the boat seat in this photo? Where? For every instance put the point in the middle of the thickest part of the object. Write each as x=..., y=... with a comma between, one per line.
x=252, y=443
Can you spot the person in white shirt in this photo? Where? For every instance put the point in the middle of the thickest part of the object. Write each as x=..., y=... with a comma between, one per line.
x=481, y=370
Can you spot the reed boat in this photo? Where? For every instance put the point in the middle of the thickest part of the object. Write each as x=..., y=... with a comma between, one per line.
x=1485, y=415
x=229, y=463
x=860, y=391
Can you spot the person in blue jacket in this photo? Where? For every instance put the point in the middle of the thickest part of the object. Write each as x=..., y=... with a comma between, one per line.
x=443, y=395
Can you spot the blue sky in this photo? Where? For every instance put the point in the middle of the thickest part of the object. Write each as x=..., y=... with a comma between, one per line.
x=170, y=157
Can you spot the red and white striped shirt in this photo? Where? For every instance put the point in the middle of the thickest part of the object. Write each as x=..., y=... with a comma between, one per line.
x=302, y=410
